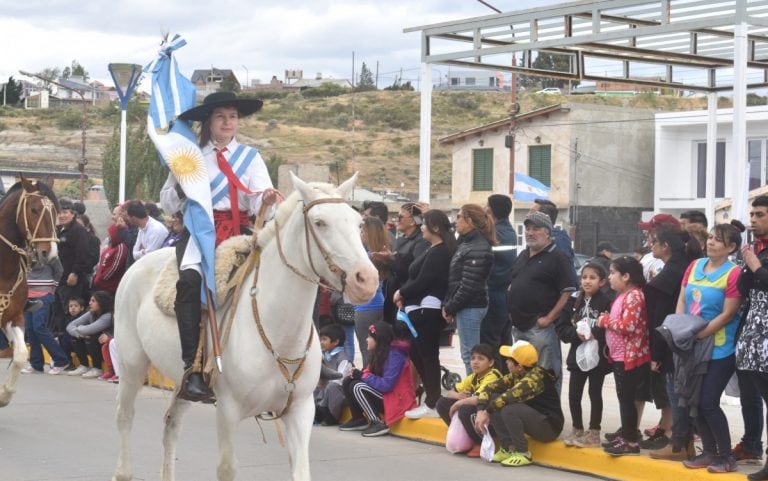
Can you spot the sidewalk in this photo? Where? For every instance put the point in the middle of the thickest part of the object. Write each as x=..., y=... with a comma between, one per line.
x=592, y=460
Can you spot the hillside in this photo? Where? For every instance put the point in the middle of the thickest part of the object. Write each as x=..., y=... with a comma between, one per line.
x=376, y=133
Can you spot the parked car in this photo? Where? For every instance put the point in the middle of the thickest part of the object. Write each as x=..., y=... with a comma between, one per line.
x=550, y=90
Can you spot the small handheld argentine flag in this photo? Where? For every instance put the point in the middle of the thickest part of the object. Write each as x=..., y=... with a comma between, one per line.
x=403, y=317
x=528, y=189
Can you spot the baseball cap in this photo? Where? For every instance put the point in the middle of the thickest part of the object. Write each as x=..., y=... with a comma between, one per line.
x=538, y=219
x=657, y=220
x=521, y=352
x=606, y=246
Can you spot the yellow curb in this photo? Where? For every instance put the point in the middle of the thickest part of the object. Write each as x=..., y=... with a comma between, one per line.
x=155, y=379
x=593, y=461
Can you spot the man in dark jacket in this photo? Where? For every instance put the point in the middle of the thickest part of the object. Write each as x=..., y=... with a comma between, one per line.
x=73, y=252
x=495, y=329
x=542, y=280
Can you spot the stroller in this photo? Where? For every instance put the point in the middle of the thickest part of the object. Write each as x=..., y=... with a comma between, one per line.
x=449, y=379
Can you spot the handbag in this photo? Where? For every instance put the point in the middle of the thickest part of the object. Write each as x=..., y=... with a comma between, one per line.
x=344, y=313
x=457, y=440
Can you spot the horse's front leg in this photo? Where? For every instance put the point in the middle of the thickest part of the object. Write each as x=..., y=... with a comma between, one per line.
x=16, y=336
x=171, y=435
x=298, y=426
x=226, y=422
x=131, y=381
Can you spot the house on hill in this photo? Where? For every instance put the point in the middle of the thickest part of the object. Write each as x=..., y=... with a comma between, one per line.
x=597, y=160
x=208, y=81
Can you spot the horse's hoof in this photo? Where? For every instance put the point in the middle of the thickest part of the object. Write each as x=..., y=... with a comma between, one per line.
x=5, y=398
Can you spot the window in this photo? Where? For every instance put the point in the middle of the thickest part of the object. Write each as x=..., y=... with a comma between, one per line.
x=455, y=80
x=469, y=81
x=758, y=164
x=482, y=169
x=701, y=170
x=493, y=82
x=540, y=163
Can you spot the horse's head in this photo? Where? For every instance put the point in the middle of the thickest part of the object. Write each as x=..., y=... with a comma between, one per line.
x=36, y=212
x=333, y=249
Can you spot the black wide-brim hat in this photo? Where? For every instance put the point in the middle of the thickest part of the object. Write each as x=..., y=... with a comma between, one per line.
x=245, y=107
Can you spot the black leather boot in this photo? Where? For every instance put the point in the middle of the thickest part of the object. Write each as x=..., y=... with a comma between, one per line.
x=761, y=475
x=188, y=316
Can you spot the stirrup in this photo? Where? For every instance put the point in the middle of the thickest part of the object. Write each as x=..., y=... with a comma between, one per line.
x=184, y=394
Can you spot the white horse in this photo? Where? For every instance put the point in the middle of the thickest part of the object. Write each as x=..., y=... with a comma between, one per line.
x=319, y=236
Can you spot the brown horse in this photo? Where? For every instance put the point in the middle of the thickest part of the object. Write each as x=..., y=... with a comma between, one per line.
x=27, y=234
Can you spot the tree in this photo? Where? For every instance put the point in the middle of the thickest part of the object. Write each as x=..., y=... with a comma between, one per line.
x=79, y=70
x=555, y=63
x=229, y=84
x=11, y=91
x=144, y=173
x=396, y=85
x=66, y=73
x=366, y=80
x=52, y=73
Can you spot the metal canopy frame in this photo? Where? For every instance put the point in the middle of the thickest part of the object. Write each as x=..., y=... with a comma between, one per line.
x=667, y=34
x=711, y=40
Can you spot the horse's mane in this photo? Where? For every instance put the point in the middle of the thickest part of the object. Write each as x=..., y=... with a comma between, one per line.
x=288, y=206
x=41, y=186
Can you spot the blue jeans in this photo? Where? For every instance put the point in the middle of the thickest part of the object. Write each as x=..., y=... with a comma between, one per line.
x=681, y=421
x=38, y=335
x=547, y=344
x=752, y=413
x=468, y=322
x=711, y=422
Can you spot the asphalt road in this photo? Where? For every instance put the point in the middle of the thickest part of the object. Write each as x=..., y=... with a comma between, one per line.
x=61, y=428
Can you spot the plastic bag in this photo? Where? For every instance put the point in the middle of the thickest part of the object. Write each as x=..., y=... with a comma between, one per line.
x=584, y=328
x=457, y=440
x=587, y=355
x=487, y=447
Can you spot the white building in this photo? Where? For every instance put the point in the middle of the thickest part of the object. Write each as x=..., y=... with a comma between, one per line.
x=681, y=159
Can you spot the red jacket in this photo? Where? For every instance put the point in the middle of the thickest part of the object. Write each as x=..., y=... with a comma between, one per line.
x=112, y=263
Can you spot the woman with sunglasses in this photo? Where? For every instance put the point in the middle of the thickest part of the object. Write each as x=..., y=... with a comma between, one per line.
x=466, y=301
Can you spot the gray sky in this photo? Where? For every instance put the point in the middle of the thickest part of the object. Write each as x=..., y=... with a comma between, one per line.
x=264, y=37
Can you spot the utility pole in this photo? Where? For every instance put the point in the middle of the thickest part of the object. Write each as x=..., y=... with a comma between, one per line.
x=377, y=75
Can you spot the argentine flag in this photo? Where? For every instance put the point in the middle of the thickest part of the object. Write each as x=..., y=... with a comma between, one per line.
x=172, y=94
x=527, y=189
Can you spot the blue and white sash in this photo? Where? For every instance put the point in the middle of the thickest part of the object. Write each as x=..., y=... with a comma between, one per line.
x=240, y=160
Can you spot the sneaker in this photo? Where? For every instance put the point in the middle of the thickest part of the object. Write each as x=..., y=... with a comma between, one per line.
x=608, y=444
x=570, y=439
x=78, y=371
x=114, y=379
x=703, y=460
x=354, y=425
x=501, y=455
x=31, y=370
x=518, y=459
x=474, y=452
x=651, y=431
x=746, y=456
x=613, y=435
x=422, y=411
x=590, y=439
x=92, y=373
x=723, y=464
x=657, y=441
x=106, y=376
x=56, y=370
x=623, y=448
x=376, y=429
x=669, y=453
x=761, y=475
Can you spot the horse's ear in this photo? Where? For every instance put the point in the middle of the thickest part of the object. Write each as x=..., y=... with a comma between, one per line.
x=305, y=190
x=346, y=188
x=26, y=183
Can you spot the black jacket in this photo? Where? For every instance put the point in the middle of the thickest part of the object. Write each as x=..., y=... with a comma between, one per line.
x=468, y=275
x=661, y=295
x=565, y=327
x=427, y=276
x=73, y=251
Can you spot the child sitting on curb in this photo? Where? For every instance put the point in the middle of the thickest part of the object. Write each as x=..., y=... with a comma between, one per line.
x=464, y=399
x=525, y=401
x=329, y=396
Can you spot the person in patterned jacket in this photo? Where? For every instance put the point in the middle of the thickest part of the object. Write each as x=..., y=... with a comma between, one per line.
x=525, y=401
x=751, y=355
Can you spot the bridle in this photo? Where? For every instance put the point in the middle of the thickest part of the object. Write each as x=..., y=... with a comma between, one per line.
x=30, y=238
x=310, y=231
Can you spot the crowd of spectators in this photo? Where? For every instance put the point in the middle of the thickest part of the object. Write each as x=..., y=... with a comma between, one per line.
x=673, y=326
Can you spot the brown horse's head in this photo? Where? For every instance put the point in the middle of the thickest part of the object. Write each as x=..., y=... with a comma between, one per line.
x=36, y=211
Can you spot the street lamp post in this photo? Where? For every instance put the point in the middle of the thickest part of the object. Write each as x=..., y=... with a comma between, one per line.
x=125, y=76
x=84, y=125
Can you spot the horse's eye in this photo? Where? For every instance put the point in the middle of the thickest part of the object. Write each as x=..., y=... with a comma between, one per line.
x=319, y=223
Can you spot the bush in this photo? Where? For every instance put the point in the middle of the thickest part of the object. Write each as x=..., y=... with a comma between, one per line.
x=71, y=119
x=3, y=126
x=327, y=89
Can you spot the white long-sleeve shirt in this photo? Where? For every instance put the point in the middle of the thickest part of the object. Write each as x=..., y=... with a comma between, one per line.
x=149, y=238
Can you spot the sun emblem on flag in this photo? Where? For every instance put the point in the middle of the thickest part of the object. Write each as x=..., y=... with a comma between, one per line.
x=187, y=164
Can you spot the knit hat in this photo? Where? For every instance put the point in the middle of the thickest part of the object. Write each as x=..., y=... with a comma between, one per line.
x=521, y=352
x=538, y=219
